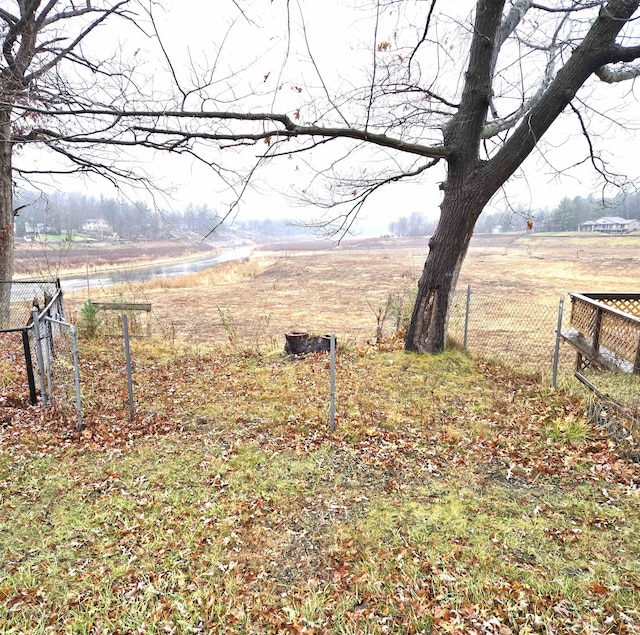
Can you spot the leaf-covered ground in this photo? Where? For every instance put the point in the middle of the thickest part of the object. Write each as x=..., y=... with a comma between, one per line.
x=451, y=498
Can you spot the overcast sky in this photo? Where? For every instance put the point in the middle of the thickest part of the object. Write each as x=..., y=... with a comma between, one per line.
x=198, y=35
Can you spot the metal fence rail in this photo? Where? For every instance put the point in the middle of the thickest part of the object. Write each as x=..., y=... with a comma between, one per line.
x=35, y=330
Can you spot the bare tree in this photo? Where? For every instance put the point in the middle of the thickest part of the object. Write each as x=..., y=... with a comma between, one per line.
x=470, y=99
x=525, y=63
x=43, y=64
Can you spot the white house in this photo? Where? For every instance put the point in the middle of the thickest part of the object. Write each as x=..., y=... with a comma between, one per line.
x=97, y=226
x=610, y=225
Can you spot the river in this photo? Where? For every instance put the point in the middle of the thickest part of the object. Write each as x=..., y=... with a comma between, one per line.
x=143, y=273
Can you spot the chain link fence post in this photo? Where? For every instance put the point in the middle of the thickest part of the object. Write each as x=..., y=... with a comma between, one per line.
x=76, y=375
x=127, y=355
x=26, y=346
x=556, y=351
x=332, y=404
x=466, y=320
x=37, y=339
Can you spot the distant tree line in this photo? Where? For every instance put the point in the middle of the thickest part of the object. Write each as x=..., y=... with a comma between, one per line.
x=269, y=228
x=416, y=224
x=566, y=216
x=68, y=213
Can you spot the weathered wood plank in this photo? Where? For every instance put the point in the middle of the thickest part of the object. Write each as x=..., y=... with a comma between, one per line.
x=603, y=358
x=122, y=306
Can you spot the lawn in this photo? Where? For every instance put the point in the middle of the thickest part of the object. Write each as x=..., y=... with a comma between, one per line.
x=453, y=497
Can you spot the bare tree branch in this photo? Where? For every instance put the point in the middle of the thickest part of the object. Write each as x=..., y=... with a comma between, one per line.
x=83, y=35
x=289, y=130
x=422, y=39
x=610, y=76
x=592, y=155
x=330, y=99
x=578, y=5
x=588, y=57
x=374, y=65
x=341, y=224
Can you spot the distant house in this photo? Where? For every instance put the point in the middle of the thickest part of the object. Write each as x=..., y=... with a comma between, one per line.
x=610, y=225
x=96, y=227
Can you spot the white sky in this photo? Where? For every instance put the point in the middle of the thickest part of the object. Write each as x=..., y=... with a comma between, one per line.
x=341, y=40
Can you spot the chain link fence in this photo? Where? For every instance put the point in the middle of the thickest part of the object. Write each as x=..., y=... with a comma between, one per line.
x=18, y=298
x=511, y=329
x=59, y=344
x=517, y=332
x=524, y=335
x=39, y=353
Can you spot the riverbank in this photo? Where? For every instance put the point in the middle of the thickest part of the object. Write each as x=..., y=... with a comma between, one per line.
x=44, y=260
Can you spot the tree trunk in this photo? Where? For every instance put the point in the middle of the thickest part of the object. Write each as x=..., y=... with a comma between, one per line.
x=466, y=189
x=448, y=246
x=6, y=214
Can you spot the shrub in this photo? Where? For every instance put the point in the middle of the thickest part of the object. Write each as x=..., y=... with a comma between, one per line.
x=90, y=323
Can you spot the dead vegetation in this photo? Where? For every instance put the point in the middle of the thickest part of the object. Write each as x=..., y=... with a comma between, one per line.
x=51, y=260
x=342, y=288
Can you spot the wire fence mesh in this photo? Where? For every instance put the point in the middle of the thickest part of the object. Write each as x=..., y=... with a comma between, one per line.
x=60, y=348
x=516, y=331
x=521, y=334
x=39, y=351
x=509, y=328
x=18, y=297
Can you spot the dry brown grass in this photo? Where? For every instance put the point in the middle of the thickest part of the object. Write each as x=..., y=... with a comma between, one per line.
x=340, y=289
x=223, y=273
x=54, y=259
x=540, y=266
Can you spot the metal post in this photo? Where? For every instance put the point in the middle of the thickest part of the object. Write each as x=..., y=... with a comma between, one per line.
x=86, y=262
x=556, y=352
x=466, y=320
x=33, y=397
x=332, y=405
x=59, y=302
x=127, y=354
x=46, y=330
x=38, y=345
x=76, y=375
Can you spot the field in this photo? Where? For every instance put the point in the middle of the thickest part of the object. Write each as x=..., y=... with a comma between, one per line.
x=342, y=288
x=53, y=260
x=454, y=496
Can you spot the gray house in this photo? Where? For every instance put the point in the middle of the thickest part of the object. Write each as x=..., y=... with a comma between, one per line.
x=610, y=225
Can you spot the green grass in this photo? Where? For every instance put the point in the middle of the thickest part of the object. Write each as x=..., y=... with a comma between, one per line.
x=451, y=498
